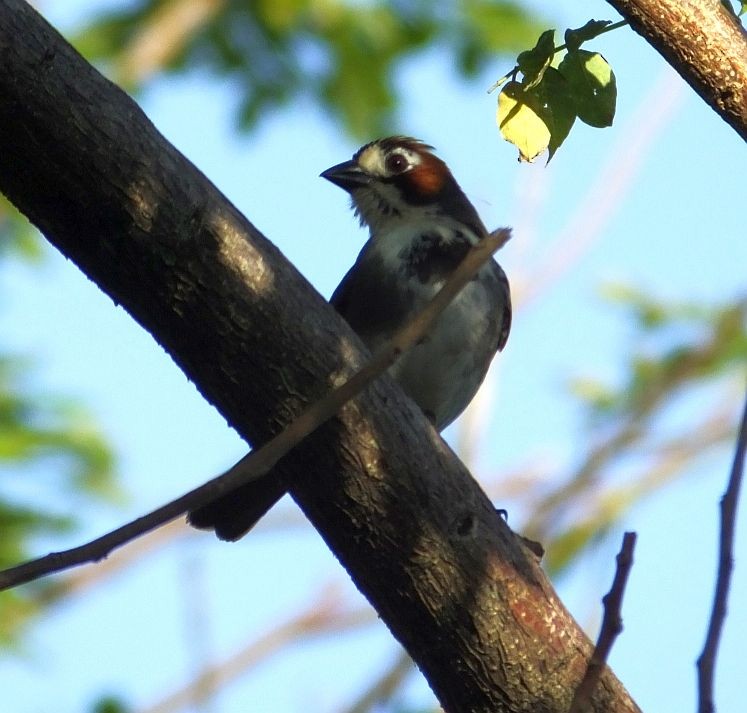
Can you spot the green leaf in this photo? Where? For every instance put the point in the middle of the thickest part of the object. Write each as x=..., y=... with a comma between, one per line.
x=534, y=62
x=558, y=109
x=593, y=28
x=538, y=118
x=592, y=85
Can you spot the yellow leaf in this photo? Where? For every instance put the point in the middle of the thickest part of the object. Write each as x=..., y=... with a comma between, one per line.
x=520, y=123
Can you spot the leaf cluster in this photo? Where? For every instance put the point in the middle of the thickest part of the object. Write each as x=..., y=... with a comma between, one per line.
x=341, y=56
x=542, y=98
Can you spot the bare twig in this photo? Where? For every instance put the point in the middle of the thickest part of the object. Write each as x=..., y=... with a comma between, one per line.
x=259, y=462
x=611, y=627
x=512, y=74
x=81, y=581
x=707, y=659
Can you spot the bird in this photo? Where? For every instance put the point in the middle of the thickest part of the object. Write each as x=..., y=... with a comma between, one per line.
x=421, y=225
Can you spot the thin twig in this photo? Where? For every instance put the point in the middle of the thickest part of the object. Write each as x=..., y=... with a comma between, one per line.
x=707, y=659
x=611, y=627
x=559, y=48
x=259, y=462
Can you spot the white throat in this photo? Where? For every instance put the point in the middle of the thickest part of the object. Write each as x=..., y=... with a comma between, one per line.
x=383, y=210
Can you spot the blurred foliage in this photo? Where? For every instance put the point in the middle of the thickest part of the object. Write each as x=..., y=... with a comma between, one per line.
x=634, y=441
x=17, y=236
x=343, y=56
x=39, y=432
x=536, y=113
x=110, y=704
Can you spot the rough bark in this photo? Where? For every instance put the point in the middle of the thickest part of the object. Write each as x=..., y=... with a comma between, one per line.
x=413, y=529
x=705, y=44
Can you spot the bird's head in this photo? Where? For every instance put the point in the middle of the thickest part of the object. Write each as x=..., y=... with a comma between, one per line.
x=399, y=179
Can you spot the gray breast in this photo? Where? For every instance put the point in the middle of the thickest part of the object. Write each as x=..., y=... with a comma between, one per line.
x=444, y=371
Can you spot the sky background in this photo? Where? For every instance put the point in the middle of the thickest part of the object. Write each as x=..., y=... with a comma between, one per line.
x=663, y=192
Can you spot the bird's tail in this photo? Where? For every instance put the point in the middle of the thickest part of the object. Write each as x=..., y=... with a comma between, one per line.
x=232, y=515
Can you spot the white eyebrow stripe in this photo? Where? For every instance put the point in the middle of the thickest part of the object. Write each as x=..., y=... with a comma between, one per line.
x=373, y=159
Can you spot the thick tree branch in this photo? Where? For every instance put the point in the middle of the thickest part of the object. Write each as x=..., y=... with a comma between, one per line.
x=704, y=42
x=261, y=461
x=415, y=532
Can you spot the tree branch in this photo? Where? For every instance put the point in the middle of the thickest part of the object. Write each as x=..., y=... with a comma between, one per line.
x=611, y=626
x=415, y=532
x=257, y=463
x=707, y=659
x=705, y=44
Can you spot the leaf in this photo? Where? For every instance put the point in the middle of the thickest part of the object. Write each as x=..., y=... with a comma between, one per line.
x=592, y=29
x=592, y=85
x=559, y=111
x=538, y=118
x=534, y=62
x=520, y=122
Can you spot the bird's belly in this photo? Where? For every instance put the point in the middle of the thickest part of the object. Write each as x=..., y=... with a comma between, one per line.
x=443, y=372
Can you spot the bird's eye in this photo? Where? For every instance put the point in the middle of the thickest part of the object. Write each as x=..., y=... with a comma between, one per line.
x=396, y=163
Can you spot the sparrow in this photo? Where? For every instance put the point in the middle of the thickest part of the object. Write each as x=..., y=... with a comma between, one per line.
x=421, y=225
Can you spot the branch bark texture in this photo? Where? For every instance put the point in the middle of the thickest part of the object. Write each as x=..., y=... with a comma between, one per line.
x=705, y=44
x=415, y=532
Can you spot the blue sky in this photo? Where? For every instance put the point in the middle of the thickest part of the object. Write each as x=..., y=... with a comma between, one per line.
x=676, y=227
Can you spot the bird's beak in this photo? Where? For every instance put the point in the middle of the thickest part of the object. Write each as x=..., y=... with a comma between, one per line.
x=347, y=175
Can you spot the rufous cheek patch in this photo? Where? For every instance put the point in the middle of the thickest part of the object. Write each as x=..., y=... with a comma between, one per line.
x=426, y=180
